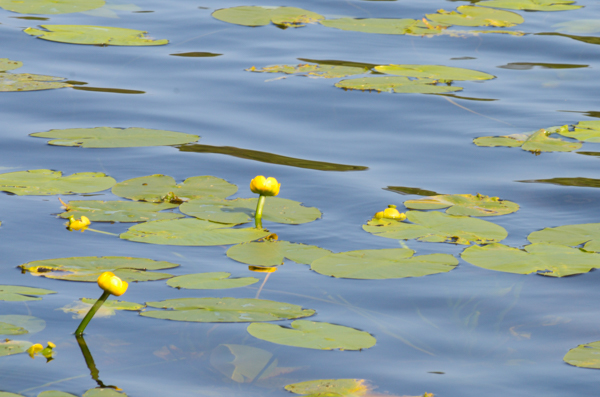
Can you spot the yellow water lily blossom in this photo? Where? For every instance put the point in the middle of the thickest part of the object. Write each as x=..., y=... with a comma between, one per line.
x=47, y=351
x=35, y=349
x=112, y=284
x=265, y=186
x=78, y=224
x=391, y=213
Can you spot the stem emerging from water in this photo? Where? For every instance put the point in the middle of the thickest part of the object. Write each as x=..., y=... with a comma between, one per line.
x=86, y=320
x=259, y=211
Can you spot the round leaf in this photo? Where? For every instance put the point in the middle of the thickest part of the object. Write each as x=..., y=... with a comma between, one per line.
x=272, y=253
x=572, y=235
x=11, y=347
x=20, y=323
x=531, y=5
x=261, y=16
x=584, y=356
x=50, y=7
x=476, y=16
x=94, y=35
x=119, y=211
x=400, y=85
x=313, y=335
x=433, y=72
x=16, y=293
x=29, y=82
x=338, y=387
x=214, y=280
x=382, y=26
x=48, y=182
x=465, y=204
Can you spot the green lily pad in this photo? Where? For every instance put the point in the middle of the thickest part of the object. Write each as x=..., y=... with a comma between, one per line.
x=116, y=304
x=241, y=210
x=261, y=16
x=29, y=82
x=6, y=64
x=579, y=26
x=476, y=16
x=16, y=324
x=465, y=204
x=437, y=227
x=48, y=182
x=541, y=258
x=401, y=85
x=189, y=231
x=108, y=137
x=383, y=264
x=119, y=211
x=586, y=131
x=11, y=347
x=82, y=307
x=103, y=392
x=213, y=280
x=537, y=142
x=313, y=335
x=531, y=5
x=405, y=190
x=325, y=71
x=8, y=394
x=156, y=188
x=581, y=182
x=330, y=387
x=94, y=35
x=272, y=253
x=16, y=293
x=584, y=356
x=55, y=393
x=88, y=268
x=433, y=72
x=225, y=310
x=571, y=235
x=413, y=27
x=50, y=7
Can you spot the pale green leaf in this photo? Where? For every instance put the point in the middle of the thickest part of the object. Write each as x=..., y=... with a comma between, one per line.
x=24, y=324
x=245, y=364
x=29, y=82
x=584, y=356
x=272, y=253
x=119, y=211
x=6, y=64
x=382, y=26
x=50, y=7
x=465, y=204
x=10, y=347
x=103, y=392
x=401, y=85
x=213, y=280
x=325, y=71
x=82, y=307
x=476, y=16
x=433, y=72
x=586, y=131
x=531, y=5
x=261, y=16
x=16, y=293
x=94, y=35
x=48, y=182
x=571, y=235
x=55, y=393
x=536, y=142
x=323, y=387
x=579, y=26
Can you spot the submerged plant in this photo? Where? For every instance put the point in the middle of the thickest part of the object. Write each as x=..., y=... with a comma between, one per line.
x=264, y=187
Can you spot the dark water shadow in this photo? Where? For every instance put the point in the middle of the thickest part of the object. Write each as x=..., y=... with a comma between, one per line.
x=196, y=54
x=531, y=65
x=111, y=90
x=585, y=39
x=411, y=190
x=89, y=360
x=581, y=182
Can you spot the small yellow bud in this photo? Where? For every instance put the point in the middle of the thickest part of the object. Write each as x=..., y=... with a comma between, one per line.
x=35, y=349
x=265, y=186
x=260, y=269
x=78, y=224
x=113, y=284
x=391, y=213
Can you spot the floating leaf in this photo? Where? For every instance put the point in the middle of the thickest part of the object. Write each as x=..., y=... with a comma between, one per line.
x=325, y=71
x=48, y=182
x=382, y=26
x=313, y=335
x=583, y=39
x=241, y=210
x=584, y=356
x=50, y=7
x=225, y=310
x=272, y=253
x=20, y=323
x=571, y=235
x=108, y=137
x=438, y=227
x=261, y=16
x=538, y=141
x=586, y=131
x=119, y=211
x=433, y=72
x=533, y=65
x=95, y=35
x=404, y=190
x=531, y=5
x=383, y=264
x=401, y=85
x=55, y=393
x=88, y=268
x=16, y=293
x=465, y=204
x=193, y=232
x=82, y=307
x=11, y=329
x=330, y=387
x=213, y=280
x=6, y=64
x=10, y=347
x=155, y=188
x=103, y=392
x=581, y=182
x=29, y=82
x=579, y=26
x=476, y=16
x=545, y=259
x=196, y=54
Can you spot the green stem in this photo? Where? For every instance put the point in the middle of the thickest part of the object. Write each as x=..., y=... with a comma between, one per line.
x=259, y=210
x=86, y=320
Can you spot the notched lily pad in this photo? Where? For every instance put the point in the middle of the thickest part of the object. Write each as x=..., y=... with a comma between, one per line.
x=413, y=27
x=531, y=5
x=94, y=35
x=584, y=356
x=261, y=16
x=536, y=142
x=48, y=182
x=437, y=227
x=313, y=335
x=225, y=310
x=333, y=387
x=88, y=268
x=10, y=82
x=108, y=137
x=476, y=16
x=212, y=280
x=50, y=7
x=465, y=204
x=119, y=211
x=400, y=85
x=571, y=235
x=435, y=72
x=325, y=71
x=16, y=324
x=272, y=253
x=586, y=131
x=11, y=347
x=16, y=293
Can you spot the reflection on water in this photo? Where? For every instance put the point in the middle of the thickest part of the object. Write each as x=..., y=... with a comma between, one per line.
x=89, y=360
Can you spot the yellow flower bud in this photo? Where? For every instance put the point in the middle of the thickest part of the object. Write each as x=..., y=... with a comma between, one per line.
x=261, y=269
x=113, y=284
x=391, y=213
x=34, y=349
x=265, y=186
x=78, y=224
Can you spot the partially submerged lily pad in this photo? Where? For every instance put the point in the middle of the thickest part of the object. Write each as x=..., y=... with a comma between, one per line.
x=262, y=15
x=10, y=82
x=536, y=142
x=531, y=5
x=11, y=347
x=438, y=227
x=212, y=280
x=16, y=324
x=225, y=310
x=94, y=35
x=242, y=210
x=325, y=71
x=88, y=268
x=476, y=16
x=103, y=392
x=465, y=204
x=414, y=27
x=272, y=253
x=581, y=182
x=335, y=387
x=156, y=188
x=119, y=211
x=50, y=7
x=383, y=264
x=195, y=232
x=401, y=85
x=434, y=72
x=584, y=356
x=48, y=182
x=82, y=307
x=108, y=137
x=313, y=335
x=571, y=235
x=586, y=131
x=541, y=258
x=16, y=293
x=7, y=64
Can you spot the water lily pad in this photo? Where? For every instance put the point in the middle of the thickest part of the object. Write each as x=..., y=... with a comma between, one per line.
x=11, y=347
x=325, y=71
x=16, y=324
x=88, y=268
x=465, y=204
x=578, y=26
x=531, y=5
x=82, y=307
x=119, y=211
x=16, y=293
x=48, y=182
x=241, y=210
x=29, y=82
x=50, y=7
x=581, y=182
x=225, y=310
x=108, y=137
x=55, y=393
x=272, y=253
x=476, y=16
x=401, y=85
x=213, y=280
x=536, y=142
x=313, y=335
x=383, y=264
x=541, y=258
x=584, y=356
x=188, y=231
x=405, y=190
x=6, y=64
x=333, y=387
x=571, y=235
x=261, y=16
x=95, y=35
x=103, y=392
x=156, y=188
x=438, y=227
x=434, y=72
x=414, y=27
x=586, y=131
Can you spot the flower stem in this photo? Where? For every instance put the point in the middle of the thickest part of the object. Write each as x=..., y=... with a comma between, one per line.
x=86, y=320
x=259, y=211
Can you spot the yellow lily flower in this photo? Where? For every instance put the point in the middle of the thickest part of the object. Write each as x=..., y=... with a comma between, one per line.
x=112, y=284
x=391, y=213
x=265, y=186
x=78, y=224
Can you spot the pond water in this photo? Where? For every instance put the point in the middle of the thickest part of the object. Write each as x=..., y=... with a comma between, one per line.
x=468, y=332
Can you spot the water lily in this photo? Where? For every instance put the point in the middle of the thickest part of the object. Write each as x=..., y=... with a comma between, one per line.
x=47, y=351
x=264, y=187
x=391, y=213
x=78, y=224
